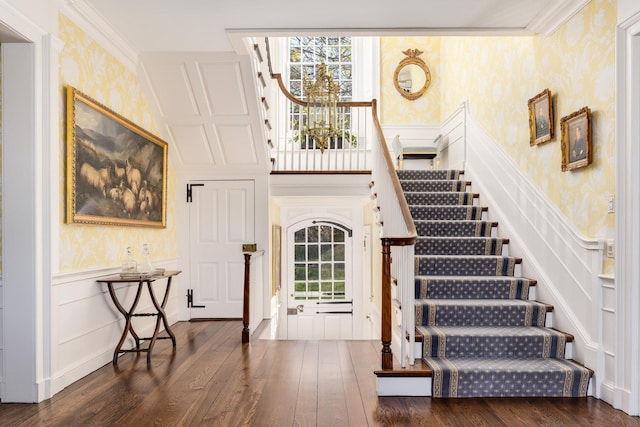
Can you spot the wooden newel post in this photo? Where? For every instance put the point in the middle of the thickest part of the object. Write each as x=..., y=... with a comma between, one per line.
x=387, y=354
x=246, y=301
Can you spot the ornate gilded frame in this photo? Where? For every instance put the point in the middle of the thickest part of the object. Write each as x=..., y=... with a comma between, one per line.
x=412, y=59
x=116, y=172
x=541, y=118
x=576, y=139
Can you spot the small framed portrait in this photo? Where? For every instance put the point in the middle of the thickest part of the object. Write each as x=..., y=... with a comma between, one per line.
x=576, y=139
x=540, y=118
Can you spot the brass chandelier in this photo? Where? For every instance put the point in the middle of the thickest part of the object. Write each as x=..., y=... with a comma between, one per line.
x=322, y=99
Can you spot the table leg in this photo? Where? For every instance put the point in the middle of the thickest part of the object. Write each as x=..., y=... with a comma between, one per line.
x=128, y=328
x=161, y=317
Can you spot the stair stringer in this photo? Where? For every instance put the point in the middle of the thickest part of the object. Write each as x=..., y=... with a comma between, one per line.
x=565, y=263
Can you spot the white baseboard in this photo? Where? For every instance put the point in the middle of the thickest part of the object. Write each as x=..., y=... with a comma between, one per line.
x=403, y=386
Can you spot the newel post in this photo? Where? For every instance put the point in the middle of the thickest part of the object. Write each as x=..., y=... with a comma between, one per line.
x=246, y=302
x=387, y=354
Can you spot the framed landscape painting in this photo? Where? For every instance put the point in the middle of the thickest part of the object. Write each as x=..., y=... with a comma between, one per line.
x=576, y=139
x=116, y=171
x=540, y=118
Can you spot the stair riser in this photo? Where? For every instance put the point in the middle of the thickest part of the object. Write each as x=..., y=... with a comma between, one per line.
x=511, y=346
x=454, y=228
x=433, y=186
x=459, y=246
x=451, y=213
x=440, y=199
x=471, y=289
x=460, y=266
x=428, y=174
x=491, y=315
x=497, y=383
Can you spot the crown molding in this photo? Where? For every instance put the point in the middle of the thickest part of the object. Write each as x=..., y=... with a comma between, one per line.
x=556, y=15
x=86, y=16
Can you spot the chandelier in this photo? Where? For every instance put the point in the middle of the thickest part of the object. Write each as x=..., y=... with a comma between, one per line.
x=322, y=99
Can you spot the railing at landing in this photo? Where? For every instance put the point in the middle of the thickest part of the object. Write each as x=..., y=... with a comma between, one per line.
x=351, y=151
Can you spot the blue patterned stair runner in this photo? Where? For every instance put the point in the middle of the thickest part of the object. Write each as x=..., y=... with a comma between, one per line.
x=481, y=335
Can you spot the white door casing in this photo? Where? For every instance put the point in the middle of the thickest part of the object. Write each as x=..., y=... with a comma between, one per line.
x=221, y=220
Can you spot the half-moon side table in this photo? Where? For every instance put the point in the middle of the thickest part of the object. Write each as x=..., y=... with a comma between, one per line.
x=141, y=280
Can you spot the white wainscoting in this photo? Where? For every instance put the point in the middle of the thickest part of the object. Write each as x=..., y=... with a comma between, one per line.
x=565, y=264
x=1, y=334
x=85, y=325
x=411, y=135
x=608, y=326
x=452, y=150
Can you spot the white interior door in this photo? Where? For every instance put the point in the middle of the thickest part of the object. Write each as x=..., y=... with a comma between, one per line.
x=319, y=281
x=221, y=219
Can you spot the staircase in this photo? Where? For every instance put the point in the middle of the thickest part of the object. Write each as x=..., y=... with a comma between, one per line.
x=481, y=333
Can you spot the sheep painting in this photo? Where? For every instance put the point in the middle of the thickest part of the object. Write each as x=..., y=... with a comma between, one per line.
x=114, y=168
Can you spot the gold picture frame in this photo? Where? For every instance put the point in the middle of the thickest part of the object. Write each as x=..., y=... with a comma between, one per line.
x=576, y=139
x=540, y=118
x=116, y=172
x=276, y=256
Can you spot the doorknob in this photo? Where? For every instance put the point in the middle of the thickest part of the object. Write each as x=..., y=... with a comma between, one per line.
x=300, y=308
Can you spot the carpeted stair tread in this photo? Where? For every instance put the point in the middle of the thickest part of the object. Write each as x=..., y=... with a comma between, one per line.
x=429, y=174
x=459, y=265
x=472, y=287
x=498, y=341
x=451, y=212
x=504, y=377
x=441, y=198
x=459, y=246
x=428, y=186
x=445, y=228
x=467, y=312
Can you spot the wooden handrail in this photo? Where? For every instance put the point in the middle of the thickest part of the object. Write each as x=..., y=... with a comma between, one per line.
x=290, y=97
x=387, y=243
x=404, y=206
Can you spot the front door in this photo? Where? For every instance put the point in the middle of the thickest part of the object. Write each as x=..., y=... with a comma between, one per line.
x=221, y=219
x=319, y=284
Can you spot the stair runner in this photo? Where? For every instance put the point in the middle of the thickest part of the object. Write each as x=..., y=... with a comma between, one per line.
x=482, y=336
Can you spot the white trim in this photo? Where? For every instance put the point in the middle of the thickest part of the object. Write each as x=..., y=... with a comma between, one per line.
x=411, y=135
x=403, y=386
x=556, y=15
x=89, y=19
x=627, y=381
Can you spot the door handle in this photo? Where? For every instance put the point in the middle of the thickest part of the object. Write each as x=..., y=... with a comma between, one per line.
x=300, y=308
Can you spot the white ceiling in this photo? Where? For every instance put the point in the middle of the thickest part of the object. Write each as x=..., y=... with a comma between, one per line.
x=194, y=67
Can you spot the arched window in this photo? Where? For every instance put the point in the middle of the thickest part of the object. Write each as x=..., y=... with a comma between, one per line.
x=320, y=257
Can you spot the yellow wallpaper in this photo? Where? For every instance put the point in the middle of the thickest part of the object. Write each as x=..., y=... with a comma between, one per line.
x=395, y=109
x=577, y=63
x=88, y=67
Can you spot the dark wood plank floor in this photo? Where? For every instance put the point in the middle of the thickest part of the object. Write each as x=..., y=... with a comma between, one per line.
x=214, y=380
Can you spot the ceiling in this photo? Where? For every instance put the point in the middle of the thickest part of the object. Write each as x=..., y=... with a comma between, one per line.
x=193, y=64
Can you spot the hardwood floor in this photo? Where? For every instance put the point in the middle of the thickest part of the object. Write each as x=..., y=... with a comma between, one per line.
x=214, y=380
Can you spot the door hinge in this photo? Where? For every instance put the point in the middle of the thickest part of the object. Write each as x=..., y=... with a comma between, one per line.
x=190, y=300
x=190, y=192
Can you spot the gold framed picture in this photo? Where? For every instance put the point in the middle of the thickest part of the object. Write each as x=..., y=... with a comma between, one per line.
x=540, y=118
x=116, y=171
x=576, y=139
x=276, y=256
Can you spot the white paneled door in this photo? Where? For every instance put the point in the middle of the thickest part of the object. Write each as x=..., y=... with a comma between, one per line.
x=221, y=219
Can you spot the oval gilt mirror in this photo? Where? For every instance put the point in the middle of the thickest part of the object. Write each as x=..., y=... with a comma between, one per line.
x=412, y=76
